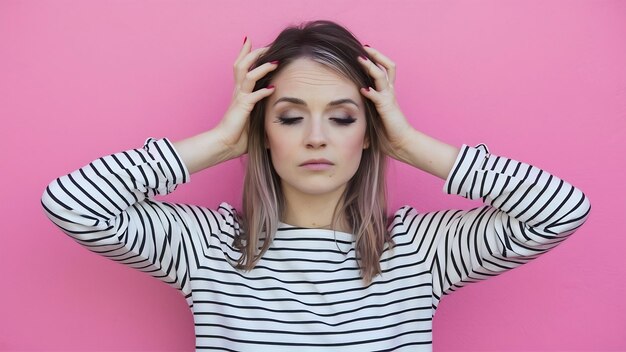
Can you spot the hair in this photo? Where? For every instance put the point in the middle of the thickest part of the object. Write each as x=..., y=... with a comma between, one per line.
x=363, y=204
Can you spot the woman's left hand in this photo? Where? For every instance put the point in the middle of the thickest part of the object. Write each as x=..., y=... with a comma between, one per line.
x=383, y=96
x=408, y=144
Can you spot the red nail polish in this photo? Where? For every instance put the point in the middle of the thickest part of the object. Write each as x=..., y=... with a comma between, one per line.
x=367, y=89
x=270, y=86
x=363, y=57
x=275, y=62
x=367, y=45
x=244, y=39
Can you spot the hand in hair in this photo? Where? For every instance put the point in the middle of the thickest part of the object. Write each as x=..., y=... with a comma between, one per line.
x=408, y=145
x=234, y=124
x=229, y=139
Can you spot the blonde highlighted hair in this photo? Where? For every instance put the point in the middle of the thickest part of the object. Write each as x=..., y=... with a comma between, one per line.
x=364, y=200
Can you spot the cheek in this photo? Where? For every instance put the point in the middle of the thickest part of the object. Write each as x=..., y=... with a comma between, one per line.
x=353, y=144
x=280, y=148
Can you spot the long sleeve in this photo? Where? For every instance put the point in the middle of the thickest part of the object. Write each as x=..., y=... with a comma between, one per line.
x=106, y=207
x=526, y=212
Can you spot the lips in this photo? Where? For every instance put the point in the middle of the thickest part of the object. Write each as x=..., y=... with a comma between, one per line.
x=316, y=165
x=317, y=162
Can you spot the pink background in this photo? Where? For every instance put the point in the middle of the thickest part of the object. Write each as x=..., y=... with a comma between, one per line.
x=538, y=81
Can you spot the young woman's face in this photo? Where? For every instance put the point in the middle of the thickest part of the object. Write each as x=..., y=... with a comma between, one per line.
x=315, y=128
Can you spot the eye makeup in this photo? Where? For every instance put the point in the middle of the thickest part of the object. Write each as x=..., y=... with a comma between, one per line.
x=284, y=120
x=342, y=121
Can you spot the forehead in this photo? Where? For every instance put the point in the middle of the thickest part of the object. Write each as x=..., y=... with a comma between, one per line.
x=311, y=81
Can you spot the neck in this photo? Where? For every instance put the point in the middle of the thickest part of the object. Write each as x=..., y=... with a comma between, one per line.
x=313, y=211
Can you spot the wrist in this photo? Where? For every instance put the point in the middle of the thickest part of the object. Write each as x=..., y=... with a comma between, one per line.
x=427, y=153
x=203, y=150
x=403, y=146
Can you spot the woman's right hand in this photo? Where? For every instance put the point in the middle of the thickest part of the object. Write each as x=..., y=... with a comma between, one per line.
x=229, y=139
x=233, y=128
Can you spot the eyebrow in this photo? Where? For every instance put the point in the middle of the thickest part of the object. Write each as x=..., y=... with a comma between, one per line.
x=302, y=102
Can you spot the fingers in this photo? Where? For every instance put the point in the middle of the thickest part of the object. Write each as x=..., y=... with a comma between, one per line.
x=245, y=79
x=389, y=65
x=381, y=69
x=245, y=48
x=258, y=95
x=380, y=78
x=378, y=98
x=251, y=77
x=245, y=59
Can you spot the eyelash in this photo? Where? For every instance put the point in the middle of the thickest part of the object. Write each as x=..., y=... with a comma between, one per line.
x=342, y=121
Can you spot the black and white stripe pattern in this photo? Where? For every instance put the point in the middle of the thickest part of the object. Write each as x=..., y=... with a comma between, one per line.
x=306, y=291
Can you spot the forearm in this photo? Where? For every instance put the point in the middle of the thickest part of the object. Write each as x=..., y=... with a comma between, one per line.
x=106, y=207
x=203, y=150
x=428, y=154
x=93, y=197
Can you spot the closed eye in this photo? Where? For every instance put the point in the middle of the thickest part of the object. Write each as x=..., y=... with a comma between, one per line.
x=343, y=120
x=288, y=120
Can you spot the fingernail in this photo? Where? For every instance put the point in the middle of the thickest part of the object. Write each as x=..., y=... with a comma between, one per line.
x=363, y=57
x=270, y=86
x=275, y=62
x=244, y=39
x=367, y=89
x=367, y=45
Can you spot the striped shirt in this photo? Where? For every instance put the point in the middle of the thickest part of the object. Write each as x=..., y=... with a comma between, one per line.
x=306, y=291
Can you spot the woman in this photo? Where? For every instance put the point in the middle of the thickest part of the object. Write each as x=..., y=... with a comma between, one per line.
x=312, y=262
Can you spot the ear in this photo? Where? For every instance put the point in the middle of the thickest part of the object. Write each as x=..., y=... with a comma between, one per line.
x=366, y=142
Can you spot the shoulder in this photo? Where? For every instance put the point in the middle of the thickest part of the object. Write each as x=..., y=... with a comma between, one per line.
x=398, y=218
x=222, y=237
x=227, y=212
x=400, y=221
x=408, y=221
x=229, y=218
x=219, y=221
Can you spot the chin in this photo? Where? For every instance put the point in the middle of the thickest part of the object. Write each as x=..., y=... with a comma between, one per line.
x=318, y=191
x=318, y=187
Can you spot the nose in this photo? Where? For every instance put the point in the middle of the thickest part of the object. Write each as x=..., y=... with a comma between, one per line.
x=315, y=134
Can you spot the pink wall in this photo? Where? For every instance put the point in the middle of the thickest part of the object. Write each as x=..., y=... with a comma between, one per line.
x=538, y=81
